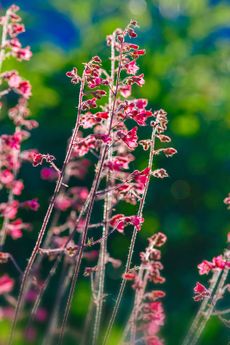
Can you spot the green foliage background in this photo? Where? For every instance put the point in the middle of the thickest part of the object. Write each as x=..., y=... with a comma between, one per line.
x=187, y=72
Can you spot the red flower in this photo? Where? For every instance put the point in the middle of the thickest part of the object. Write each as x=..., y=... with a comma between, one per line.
x=85, y=145
x=90, y=103
x=31, y=204
x=6, y=176
x=15, y=228
x=129, y=137
x=119, y=162
x=119, y=221
x=125, y=90
x=73, y=75
x=17, y=187
x=62, y=202
x=158, y=239
x=24, y=89
x=141, y=177
x=22, y=53
x=205, y=267
x=200, y=292
x=48, y=174
x=136, y=53
x=9, y=210
x=39, y=157
x=136, y=79
x=169, y=151
x=160, y=173
x=129, y=276
x=131, y=67
x=219, y=262
x=15, y=29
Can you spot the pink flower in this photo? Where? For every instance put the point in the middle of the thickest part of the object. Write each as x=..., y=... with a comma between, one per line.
x=6, y=177
x=15, y=29
x=136, y=79
x=136, y=221
x=17, y=187
x=49, y=174
x=160, y=173
x=62, y=202
x=205, y=267
x=158, y=239
x=131, y=33
x=227, y=200
x=13, y=8
x=131, y=67
x=129, y=137
x=31, y=204
x=13, y=78
x=119, y=162
x=200, y=292
x=169, y=151
x=6, y=284
x=219, y=262
x=74, y=76
x=141, y=177
x=22, y=53
x=83, y=146
x=125, y=90
x=9, y=210
x=94, y=82
x=39, y=157
x=15, y=228
x=163, y=138
x=119, y=221
x=141, y=117
x=90, y=103
x=24, y=88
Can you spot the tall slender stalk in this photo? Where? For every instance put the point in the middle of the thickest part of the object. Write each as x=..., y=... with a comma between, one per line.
x=206, y=309
x=132, y=243
x=48, y=213
x=63, y=284
x=90, y=208
x=202, y=308
x=106, y=216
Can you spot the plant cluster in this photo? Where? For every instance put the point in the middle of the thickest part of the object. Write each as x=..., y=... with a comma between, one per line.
x=80, y=223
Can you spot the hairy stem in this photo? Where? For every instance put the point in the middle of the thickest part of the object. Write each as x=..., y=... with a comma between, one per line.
x=201, y=311
x=132, y=244
x=90, y=208
x=106, y=216
x=48, y=214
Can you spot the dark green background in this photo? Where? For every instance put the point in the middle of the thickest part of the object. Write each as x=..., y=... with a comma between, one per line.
x=187, y=72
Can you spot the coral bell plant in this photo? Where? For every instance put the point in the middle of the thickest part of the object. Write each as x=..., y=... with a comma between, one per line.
x=109, y=130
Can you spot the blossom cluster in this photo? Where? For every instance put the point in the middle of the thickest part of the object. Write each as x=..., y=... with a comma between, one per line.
x=12, y=154
x=107, y=130
x=219, y=264
x=148, y=311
